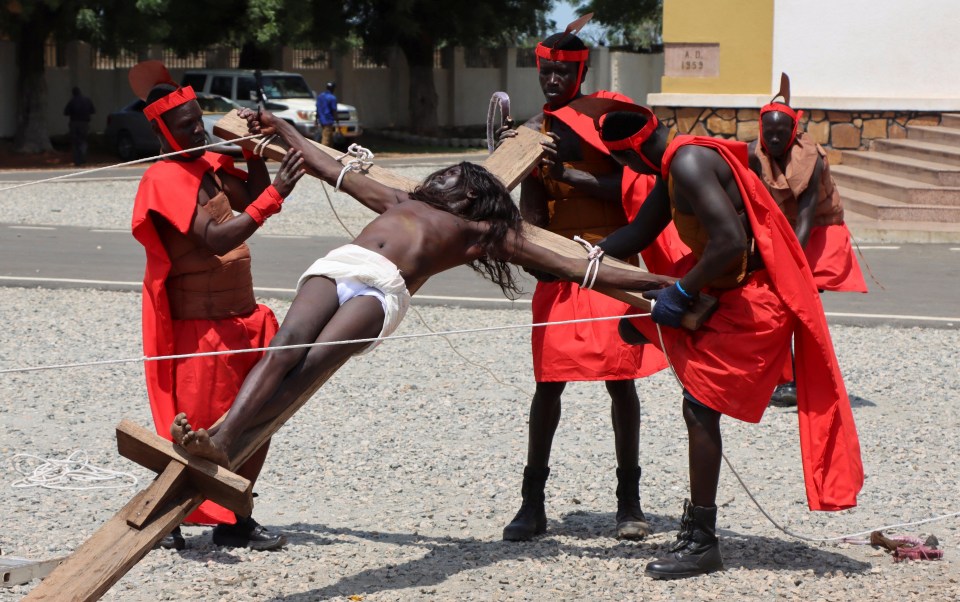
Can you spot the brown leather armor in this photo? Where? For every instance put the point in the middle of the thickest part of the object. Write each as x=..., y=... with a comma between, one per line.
x=201, y=284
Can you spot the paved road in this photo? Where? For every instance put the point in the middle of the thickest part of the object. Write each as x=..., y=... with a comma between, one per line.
x=920, y=283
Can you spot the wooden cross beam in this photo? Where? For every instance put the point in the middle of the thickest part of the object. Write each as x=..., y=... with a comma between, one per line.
x=184, y=481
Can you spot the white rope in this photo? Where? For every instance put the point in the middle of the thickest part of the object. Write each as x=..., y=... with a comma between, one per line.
x=158, y=358
x=763, y=511
x=262, y=144
x=134, y=162
x=594, y=257
x=363, y=160
x=75, y=473
x=500, y=101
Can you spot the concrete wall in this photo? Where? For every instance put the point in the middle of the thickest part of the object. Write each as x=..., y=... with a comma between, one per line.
x=867, y=48
x=744, y=31
x=379, y=93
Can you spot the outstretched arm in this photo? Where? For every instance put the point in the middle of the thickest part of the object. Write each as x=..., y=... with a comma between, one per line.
x=222, y=237
x=369, y=192
x=523, y=252
x=651, y=219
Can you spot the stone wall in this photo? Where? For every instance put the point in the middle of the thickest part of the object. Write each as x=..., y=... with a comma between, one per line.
x=834, y=130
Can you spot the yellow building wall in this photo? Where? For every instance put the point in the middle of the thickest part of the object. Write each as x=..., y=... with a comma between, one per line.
x=744, y=30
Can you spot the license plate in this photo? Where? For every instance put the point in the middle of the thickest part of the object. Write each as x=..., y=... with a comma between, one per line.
x=343, y=129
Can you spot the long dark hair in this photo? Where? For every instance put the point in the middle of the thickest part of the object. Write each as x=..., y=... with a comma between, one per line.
x=489, y=202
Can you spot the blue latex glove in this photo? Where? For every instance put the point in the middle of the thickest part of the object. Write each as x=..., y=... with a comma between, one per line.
x=670, y=305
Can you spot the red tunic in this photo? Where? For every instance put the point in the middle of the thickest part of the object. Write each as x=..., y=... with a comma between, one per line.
x=732, y=363
x=203, y=387
x=828, y=249
x=586, y=351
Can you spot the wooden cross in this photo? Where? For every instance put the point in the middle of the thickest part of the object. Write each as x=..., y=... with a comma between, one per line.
x=184, y=481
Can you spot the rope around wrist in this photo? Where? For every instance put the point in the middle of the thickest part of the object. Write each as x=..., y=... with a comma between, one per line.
x=594, y=257
x=268, y=203
x=362, y=160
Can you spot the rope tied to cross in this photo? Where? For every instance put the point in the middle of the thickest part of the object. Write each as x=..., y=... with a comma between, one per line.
x=362, y=161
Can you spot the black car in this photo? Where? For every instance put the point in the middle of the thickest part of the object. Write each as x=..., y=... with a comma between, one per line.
x=130, y=134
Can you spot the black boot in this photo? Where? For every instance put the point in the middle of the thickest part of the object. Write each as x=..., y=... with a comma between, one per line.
x=531, y=520
x=173, y=540
x=785, y=395
x=697, y=549
x=247, y=533
x=631, y=523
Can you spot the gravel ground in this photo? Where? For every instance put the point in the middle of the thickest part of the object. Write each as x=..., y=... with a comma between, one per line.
x=395, y=481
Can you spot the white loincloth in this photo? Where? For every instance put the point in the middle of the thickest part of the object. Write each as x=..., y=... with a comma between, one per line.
x=359, y=271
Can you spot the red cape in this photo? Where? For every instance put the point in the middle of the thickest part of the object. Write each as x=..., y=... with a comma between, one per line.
x=163, y=189
x=830, y=449
x=665, y=254
x=587, y=351
x=170, y=189
x=832, y=261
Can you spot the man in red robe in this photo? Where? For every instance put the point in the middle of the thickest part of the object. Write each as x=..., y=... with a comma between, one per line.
x=578, y=190
x=795, y=171
x=197, y=286
x=748, y=257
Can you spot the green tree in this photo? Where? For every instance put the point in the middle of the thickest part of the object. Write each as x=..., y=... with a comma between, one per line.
x=419, y=27
x=637, y=23
x=31, y=23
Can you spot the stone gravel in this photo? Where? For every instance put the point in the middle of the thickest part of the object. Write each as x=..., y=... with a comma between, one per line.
x=395, y=481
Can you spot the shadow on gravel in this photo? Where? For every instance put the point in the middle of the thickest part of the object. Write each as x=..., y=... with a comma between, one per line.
x=855, y=402
x=446, y=556
x=758, y=552
x=860, y=402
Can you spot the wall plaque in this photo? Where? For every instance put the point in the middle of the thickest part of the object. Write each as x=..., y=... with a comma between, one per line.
x=691, y=60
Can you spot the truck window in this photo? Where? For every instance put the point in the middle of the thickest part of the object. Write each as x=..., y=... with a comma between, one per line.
x=286, y=86
x=222, y=86
x=194, y=80
x=246, y=89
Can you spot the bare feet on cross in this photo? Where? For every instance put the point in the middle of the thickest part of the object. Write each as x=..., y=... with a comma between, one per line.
x=197, y=442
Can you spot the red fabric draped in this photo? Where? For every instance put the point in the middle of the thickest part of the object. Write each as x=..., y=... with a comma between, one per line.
x=734, y=361
x=201, y=387
x=832, y=261
x=592, y=350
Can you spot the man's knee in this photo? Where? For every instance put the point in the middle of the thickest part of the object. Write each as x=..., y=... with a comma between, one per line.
x=696, y=413
x=285, y=358
x=622, y=391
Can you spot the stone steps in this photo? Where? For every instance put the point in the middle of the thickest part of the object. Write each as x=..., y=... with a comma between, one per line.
x=916, y=179
x=899, y=189
x=924, y=151
x=935, y=134
x=937, y=174
x=950, y=120
x=886, y=209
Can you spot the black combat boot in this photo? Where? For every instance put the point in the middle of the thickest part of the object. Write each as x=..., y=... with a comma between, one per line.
x=531, y=520
x=631, y=523
x=247, y=533
x=697, y=549
x=173, y=540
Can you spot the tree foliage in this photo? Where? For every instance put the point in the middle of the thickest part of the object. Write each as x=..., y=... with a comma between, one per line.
x=637, y=23
x=417, y=27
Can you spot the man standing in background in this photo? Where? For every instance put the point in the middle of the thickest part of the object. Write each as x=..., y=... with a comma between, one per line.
x=327, y=114
x=79, y=109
